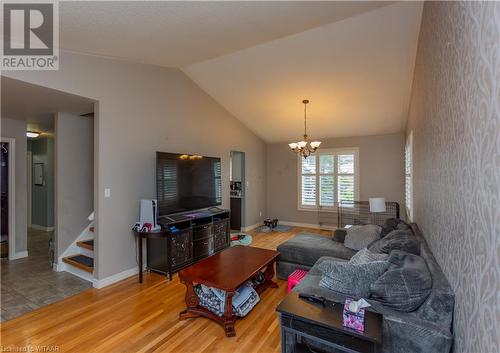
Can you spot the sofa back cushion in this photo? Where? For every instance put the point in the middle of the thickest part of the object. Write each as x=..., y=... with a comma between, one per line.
x=405, y=285
x=359, y=237
x=403, y=240
x=349, y=279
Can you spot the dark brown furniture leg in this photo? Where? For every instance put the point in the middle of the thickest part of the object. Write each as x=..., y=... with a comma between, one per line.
x=191, y=301
x=269, y=275
x=139, y=239
x=229, y=318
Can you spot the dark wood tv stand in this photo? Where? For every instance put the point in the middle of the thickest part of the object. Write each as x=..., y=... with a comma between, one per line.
x=198, y=235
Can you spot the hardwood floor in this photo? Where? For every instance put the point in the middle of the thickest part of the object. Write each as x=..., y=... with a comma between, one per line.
x=133, y=317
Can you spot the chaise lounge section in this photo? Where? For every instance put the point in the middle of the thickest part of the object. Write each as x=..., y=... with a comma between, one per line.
x=426, y=329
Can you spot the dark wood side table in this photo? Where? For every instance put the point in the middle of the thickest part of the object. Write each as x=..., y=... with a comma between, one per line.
x=152, y=235
x=301, y=320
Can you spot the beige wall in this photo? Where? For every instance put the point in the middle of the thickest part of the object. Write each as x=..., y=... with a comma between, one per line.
x=16, y=129
x=74, y=154
x=144, y=109
x=455, y=119
x=381, y=174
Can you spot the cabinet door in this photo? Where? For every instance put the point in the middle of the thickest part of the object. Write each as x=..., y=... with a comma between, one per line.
x=221, y=234
x=182, y=249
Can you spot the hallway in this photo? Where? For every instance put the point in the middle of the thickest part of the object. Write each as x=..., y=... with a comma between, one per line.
x=30, y=283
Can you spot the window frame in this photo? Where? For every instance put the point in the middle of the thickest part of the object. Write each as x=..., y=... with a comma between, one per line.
x=335, y=152
x=409, y=150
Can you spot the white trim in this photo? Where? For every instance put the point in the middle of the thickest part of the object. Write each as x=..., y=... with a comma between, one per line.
x=12, y=200
x=253, y=226
x=305, y=225
x=18, y=255
x=29, y=165
x=335, y=152
x=38, y=227
x=101, y=283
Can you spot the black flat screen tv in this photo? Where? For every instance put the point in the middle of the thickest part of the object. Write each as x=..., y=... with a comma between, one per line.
x=187, y=182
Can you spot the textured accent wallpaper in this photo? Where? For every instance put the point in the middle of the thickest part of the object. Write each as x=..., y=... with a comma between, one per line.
x=455, y=118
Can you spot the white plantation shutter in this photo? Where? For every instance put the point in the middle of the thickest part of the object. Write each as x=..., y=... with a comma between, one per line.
x=408, y=177
x=345, y=177
x=308, y=184
x=328, y=177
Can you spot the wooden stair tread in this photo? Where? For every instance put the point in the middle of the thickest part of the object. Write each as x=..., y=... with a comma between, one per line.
x=87, y=244
x=81, y=261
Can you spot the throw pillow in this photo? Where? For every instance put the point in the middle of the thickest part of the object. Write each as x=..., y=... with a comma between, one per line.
x=349, y=279
x=397, y=240
x=359, y=237
x=365, y=256
x=405, y=285
x=339, y=235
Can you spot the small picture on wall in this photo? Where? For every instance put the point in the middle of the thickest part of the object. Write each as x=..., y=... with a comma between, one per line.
x=38, y=176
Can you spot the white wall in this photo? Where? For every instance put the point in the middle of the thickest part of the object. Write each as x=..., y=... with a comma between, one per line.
x=74, y=154
x=16, y=129
x=381, y=174
x=143, y=109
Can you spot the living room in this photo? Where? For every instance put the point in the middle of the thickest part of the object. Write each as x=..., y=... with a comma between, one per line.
x=408, y=89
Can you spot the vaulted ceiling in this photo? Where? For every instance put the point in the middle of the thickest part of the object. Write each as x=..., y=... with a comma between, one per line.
x=353, y=60
x=357, y=74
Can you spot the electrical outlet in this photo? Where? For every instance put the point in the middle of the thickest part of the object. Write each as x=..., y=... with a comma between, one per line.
x=260, y=214
x=107, y=193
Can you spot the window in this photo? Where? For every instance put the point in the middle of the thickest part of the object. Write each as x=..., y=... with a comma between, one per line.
x=408, y=177
x=327, y=177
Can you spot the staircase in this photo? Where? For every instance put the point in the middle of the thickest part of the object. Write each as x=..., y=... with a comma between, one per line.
x=78, y=259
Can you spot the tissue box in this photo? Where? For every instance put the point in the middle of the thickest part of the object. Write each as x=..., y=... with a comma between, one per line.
x=352, y=320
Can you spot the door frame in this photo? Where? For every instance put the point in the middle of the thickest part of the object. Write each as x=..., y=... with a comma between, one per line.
x=12, y=196
x=30, y=186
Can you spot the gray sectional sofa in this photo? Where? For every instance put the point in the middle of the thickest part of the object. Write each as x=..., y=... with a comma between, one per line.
x=424, y=330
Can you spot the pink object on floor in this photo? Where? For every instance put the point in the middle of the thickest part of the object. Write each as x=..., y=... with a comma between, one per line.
x=295, y=278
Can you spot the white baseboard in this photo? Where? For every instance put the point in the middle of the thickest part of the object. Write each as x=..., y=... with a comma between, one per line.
x=46, y=229
x=306, y=225
x=253, y=226
x=19, y=255
x=101, y=283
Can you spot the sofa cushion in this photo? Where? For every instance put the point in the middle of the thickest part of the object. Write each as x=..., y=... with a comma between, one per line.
x=397, y=240
x=405, y=285
x=307, y=248
x=349, y=279
x=364, y=256
x=359, y=237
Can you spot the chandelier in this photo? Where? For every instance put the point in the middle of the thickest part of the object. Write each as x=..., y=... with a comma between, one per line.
x=304, y=147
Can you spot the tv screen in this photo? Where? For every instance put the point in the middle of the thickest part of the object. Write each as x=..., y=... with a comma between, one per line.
x=187, y=182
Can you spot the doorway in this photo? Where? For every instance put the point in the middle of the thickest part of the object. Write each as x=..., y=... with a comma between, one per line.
x=4, y=252
x=237, y=192
x=7, y=245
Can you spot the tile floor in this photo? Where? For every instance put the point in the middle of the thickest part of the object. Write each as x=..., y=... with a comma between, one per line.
x=30, y=283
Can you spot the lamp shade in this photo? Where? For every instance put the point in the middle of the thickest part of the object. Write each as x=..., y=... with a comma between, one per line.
x=377, y=204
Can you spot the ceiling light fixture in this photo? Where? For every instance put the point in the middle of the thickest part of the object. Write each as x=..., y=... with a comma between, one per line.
x=32, y=134
x=304, y=147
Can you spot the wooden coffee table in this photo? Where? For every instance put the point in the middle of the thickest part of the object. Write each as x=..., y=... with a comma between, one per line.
x=226, y=270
